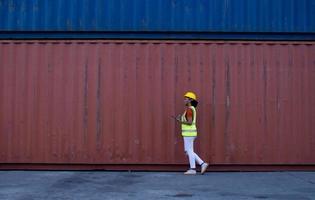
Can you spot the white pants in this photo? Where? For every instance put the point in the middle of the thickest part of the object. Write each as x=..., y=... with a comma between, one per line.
x=189, y=149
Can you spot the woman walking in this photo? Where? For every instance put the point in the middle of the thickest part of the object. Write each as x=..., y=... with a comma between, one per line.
x=189, y=133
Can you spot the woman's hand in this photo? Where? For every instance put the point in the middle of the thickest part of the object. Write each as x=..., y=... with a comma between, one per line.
x=178, y=118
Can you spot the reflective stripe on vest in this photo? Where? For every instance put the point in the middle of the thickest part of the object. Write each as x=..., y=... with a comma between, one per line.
x=189, y=130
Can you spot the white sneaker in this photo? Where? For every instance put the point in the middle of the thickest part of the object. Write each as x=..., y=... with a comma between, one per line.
x=204, y=167
x=190, y=172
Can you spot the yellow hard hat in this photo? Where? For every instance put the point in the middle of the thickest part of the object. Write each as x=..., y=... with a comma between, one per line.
x=191, y=95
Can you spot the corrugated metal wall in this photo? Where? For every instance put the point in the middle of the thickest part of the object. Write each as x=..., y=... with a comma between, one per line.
x=110, y=102
x=196, y=19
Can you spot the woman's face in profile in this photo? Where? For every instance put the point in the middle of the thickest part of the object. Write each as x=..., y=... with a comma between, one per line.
x=186, y=101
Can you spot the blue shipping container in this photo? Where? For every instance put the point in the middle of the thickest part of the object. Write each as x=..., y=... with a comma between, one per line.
x=159, y=18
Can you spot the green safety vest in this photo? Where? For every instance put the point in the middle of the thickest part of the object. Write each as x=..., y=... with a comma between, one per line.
x=189, y=130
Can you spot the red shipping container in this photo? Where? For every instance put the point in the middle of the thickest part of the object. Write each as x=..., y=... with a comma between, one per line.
x=109, y=102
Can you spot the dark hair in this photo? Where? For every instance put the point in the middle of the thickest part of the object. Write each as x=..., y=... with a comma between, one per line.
x=194, y=103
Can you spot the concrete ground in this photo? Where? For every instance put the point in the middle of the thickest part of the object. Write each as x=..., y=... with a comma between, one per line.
x=96, y=185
